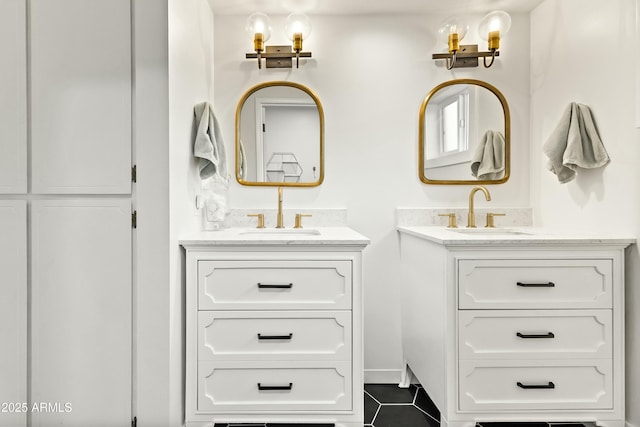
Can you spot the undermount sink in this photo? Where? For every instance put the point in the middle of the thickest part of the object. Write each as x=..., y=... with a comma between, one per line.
x=282, y=232
x=490, y=231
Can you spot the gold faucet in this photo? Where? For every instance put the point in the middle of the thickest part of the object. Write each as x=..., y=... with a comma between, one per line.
x=299, y=217
x=280, y=217
x=471, y=221
x=260, y=219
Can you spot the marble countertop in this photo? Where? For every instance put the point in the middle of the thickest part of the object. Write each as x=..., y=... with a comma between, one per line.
x=240, y=236
x=512, y=236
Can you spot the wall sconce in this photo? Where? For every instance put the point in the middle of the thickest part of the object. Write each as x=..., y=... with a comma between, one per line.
x=493, y=26
x=297, y=28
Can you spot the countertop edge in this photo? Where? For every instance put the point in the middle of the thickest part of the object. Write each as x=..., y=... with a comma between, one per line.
x=329, y=237
x=189, y=244
x=540, y=238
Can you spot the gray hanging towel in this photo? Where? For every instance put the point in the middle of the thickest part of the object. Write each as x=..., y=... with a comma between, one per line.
x=574, y=143
x=489, y=158
x=208, y=145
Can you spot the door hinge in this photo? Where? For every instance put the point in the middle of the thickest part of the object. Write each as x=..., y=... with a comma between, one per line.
x=134, y=219
x=134, y=173
x=264, y=127
x=134, y=422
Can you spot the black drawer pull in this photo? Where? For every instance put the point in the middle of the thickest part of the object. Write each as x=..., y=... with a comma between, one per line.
x=547, y=335
x=275, y=387
x=275, y=337
x=536, y=285
x=536, y=386
x=272, y=286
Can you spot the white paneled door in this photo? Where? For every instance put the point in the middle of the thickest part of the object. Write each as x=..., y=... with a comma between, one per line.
x=81, y=315
x=13, y=313
x=13, y=97
x=80, y=96
x=65, y=213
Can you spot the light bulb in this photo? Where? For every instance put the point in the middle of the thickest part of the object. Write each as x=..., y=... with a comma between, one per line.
x=297, y=27
x=493, y=26
x=452, y=31
x=259, y=26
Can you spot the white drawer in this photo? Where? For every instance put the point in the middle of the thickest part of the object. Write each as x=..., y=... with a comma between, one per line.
x=276, y=387
x=275, y=335
x=534, y=334
x=585, y=384
x=546, y=283
x=274, y=285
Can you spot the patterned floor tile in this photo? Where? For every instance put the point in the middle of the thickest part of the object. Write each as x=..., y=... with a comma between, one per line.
x=388, y=405
x=395, y=415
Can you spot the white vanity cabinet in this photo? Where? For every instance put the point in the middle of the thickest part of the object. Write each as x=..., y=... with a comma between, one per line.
x=274, y=330
x=517, y=328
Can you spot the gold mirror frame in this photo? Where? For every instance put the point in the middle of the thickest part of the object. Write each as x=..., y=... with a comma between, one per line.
x=422, y=142
x=320, y=116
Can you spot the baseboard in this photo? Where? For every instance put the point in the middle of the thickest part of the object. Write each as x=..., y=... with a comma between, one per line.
x=382, y=376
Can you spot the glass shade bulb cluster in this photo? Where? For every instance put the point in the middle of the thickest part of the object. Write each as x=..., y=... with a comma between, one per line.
x=452, y=31
x=259, y=25
x=297, y=27
x=493, y=26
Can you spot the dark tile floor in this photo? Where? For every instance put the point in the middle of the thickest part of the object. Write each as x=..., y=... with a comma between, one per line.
x=387, y=405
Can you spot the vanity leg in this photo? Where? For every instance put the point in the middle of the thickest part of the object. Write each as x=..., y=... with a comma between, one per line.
x=405, y=378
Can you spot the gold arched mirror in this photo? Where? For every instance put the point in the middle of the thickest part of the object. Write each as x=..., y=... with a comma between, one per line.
x=280, y=136
x=464, y=134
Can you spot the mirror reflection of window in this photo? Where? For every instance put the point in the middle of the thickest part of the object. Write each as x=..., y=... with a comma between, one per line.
x=453, y=122
x=449, y=127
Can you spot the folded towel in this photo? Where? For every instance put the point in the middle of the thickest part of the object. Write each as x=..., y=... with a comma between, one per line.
x=488, y=159
x=574, y=143
x=208, y=145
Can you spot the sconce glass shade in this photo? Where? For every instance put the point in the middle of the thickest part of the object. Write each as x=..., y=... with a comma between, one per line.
x=297, y=27
x=493, y=26
x=452, y=31
x=259, y=26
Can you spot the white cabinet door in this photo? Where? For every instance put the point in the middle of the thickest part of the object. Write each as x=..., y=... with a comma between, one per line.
x=13, y=312
x=81, y=312
x=13, y=97
x=81, y=96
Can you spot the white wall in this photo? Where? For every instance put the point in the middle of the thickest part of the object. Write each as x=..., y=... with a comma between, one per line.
x=371, y=74
x=566, y=36
x=190, y=83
